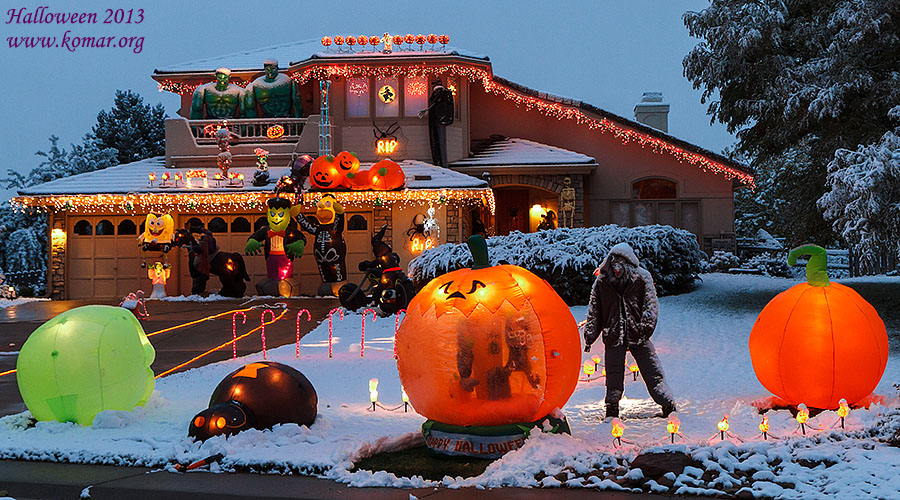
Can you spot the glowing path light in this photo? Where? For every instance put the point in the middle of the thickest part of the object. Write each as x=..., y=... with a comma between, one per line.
x=331, y=327
x=618, y=430
x=802, y=417
x=262, y=324
x=405, y=398
x=373, y=392
x=673, y=426
x=396, y=328
x=764, y=428
x=362, y=338
x=308, y=318
x=214, y=349
x=634, y=370
x=723, y=427
x=596, y=359
x=234, y=332
x=842, y=411
x=589, y=368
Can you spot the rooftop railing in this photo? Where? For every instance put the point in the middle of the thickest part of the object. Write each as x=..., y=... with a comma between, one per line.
x=249, y=129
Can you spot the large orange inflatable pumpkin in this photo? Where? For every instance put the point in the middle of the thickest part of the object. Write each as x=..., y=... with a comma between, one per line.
x=818, y=342
x=386, y=175
x=488, y=346
x=324, y=174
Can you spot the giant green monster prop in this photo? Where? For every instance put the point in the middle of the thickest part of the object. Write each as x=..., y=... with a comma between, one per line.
x=217, y=100
x=276, y=94
x=84, y=361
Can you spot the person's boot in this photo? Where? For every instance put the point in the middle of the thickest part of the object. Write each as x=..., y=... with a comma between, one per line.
x=612, y=410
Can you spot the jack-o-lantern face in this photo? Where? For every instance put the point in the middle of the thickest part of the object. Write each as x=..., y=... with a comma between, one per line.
x=347, y=162
x=324, y=174
x=488, y=346
x=386, y=175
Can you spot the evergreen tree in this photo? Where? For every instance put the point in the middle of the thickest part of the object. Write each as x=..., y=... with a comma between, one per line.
x=135, y=129
x=58, y=162
x=864, y=200
x=796, y=80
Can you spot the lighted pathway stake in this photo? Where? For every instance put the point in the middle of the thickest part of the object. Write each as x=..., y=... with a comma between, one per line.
x=331, y=328
x=673, y=426
x=308, y=318
x=843, y=410
x=362, y=337
x=373, y=392
x=262, y=322
x=234, y=332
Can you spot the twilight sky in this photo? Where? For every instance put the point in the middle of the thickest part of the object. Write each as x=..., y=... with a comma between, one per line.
x=602, y=52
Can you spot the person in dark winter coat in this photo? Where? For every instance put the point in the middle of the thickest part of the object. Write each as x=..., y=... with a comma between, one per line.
x=623, y=310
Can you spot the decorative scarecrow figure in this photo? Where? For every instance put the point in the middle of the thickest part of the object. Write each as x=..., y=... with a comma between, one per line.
x=623, y=310
x=283, y=242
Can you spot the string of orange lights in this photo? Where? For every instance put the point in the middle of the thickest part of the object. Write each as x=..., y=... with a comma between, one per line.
x=201, y=320
x=220, y=346
x=7, y=372
x=218, y=202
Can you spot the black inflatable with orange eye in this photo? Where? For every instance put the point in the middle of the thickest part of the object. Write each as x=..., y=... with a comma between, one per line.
x=257, y=396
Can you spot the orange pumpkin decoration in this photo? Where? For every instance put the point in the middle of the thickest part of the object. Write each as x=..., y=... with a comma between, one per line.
x=324, y=174
x=386, y=175
x=488, y=346
x=347, y=162
x=818, y=342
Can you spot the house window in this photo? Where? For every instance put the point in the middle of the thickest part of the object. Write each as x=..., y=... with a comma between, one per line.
x=83, y=228
x=218, y=225
x=105, y=228
x=240, y=225
x=357, y=97
x=357, y=223
x=194, y=222
x=653, y=189
x=387, y=98
x=260, y=222
x=127, y=226
x=415, y=95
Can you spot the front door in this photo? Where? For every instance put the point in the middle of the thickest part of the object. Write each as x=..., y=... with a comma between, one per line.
x=512, y=210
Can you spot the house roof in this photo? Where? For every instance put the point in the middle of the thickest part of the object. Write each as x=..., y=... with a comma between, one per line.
x=513, y=151
x=640, y=127
x=133, y=178
x=292, y=53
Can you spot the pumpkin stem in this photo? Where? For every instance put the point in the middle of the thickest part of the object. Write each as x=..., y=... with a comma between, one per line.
x=816, y=268
x=478, y=247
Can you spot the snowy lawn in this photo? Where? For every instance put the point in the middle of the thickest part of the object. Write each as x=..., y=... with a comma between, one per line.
x=4, y=303
x=701, y=340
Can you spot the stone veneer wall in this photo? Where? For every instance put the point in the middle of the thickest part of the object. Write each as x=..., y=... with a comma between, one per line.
x=553, y=183
x=380, y=217
x=57, y=283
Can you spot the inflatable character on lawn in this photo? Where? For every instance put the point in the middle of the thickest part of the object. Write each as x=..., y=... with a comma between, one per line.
x=329, y=247
x=158, y=274
x=205, y=259
x=283, y=242
x=157, y=236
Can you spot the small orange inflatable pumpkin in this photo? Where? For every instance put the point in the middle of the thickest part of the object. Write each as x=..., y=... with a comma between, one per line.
x=818, y=342
x=347, y=162
x=324, y=174
x=488, y=346
x=386, y=175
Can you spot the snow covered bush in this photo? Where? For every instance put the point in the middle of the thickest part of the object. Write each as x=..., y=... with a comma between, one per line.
x=26, y=261
x=567, y=258
x=721, y=262
x=771, y=264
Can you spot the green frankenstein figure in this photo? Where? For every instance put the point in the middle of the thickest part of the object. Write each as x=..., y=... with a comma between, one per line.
x=221, y=99
x=276, y=95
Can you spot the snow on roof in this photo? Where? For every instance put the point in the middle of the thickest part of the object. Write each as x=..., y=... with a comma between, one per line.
x=133, y=178
x=516, y=151
x=294, y=52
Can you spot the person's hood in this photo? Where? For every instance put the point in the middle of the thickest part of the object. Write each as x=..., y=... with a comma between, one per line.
x=622, y=250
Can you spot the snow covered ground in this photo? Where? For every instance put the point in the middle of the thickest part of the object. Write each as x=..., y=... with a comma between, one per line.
x=701, y=341
x=4, y=303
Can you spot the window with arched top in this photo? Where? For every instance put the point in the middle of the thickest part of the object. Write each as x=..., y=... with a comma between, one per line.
x=127, y=226
x=217, y=225
x=105, y=228
x=654, y=189
x=357, y=223
x=260, y=222
x=83, y=228
x=194, y=222
x=240, y=225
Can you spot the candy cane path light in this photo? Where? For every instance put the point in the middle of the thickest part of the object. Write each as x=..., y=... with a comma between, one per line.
x=819, y=341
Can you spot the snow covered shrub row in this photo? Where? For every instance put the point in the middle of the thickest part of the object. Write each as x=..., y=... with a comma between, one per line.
x=771, y=264
x=721, y=262
x=567, y=258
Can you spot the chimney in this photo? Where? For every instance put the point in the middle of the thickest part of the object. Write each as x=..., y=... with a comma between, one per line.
x=652, y=111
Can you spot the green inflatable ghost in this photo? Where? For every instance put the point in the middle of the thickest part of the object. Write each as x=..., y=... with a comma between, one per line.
x=84, y=361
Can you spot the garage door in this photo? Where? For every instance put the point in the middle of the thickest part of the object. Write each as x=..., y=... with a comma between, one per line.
x=103, y=258
x=231, y=233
